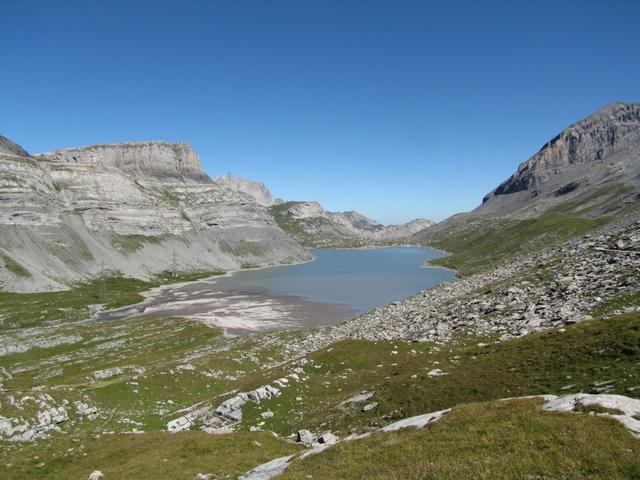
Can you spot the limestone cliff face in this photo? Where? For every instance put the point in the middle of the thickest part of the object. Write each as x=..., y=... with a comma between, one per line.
x=302, y=210
x=151, y=160
x=603, y=148
x=62, y=214
x=257, y=190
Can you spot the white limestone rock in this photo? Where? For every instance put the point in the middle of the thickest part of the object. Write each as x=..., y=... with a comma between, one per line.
x=305, y=437
x=418, y=421
x=256, y=190
x=268, y=470
x=630, y=407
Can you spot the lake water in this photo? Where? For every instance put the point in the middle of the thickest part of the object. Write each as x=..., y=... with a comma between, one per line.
x=336, y=286
x=359, y=279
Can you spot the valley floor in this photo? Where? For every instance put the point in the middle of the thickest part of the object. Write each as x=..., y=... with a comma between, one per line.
x=76, y=397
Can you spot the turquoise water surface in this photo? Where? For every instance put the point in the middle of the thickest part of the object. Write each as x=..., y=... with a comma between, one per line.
x=361, y=279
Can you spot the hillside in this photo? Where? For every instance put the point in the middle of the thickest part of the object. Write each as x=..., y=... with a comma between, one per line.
x=311, y=225
x=585, y=177
x=601, y=150
x=10, y=148
x=68, y=214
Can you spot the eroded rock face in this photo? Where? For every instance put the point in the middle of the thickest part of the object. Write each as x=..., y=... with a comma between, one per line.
x=129, y=206
x=256, y=190
x=301, y=210
x=603, y=148
x=149, y=160
x=312, y=225
x=367, y=228
x=10, y=148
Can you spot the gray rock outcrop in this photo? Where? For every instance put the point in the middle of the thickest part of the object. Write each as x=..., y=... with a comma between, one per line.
x=128, y=206
x=142, y=160
x=591, y=169
x=256, y=190
x=10, y=148
x=602, y=149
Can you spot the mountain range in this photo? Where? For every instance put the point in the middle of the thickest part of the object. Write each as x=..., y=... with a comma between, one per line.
x=68, y=215
x=71, y=214
x=312, y=226
x=536, y=343
x=139, y=209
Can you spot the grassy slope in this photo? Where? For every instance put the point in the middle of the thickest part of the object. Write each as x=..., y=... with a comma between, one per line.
x=142, y=399
x=289, y=225
x=539, y=363
x=500, y=440
x=480, y=248
x=132, y=243
x=478, y=243
x=582, y=355
x=156, y=345
x=149, y=456
x=578, y=356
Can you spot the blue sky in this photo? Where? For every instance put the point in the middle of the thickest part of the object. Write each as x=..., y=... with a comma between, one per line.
x=397, y=109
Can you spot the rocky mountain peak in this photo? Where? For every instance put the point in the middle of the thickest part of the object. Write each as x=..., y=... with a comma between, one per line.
x=11, y=148
x=600, y=148
x=149, y=160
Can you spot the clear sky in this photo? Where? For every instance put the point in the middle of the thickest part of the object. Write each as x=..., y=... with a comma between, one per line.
x=398, y=109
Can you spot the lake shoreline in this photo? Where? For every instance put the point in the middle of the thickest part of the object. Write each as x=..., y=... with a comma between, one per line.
x=334, y=286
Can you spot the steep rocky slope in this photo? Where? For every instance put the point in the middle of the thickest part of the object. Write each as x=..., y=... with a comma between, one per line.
x=587, y=176
x=602, y=149
x=154, y=160
x=127, y=206
x=311, y=225
x=10, y=148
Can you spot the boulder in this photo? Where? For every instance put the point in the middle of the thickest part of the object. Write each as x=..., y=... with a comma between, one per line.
x=305, y=436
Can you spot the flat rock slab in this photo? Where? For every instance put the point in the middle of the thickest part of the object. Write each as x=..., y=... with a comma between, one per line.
x=418, y=421
x=268, y=470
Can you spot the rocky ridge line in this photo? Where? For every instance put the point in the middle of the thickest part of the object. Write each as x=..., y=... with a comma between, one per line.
x=597, y=151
